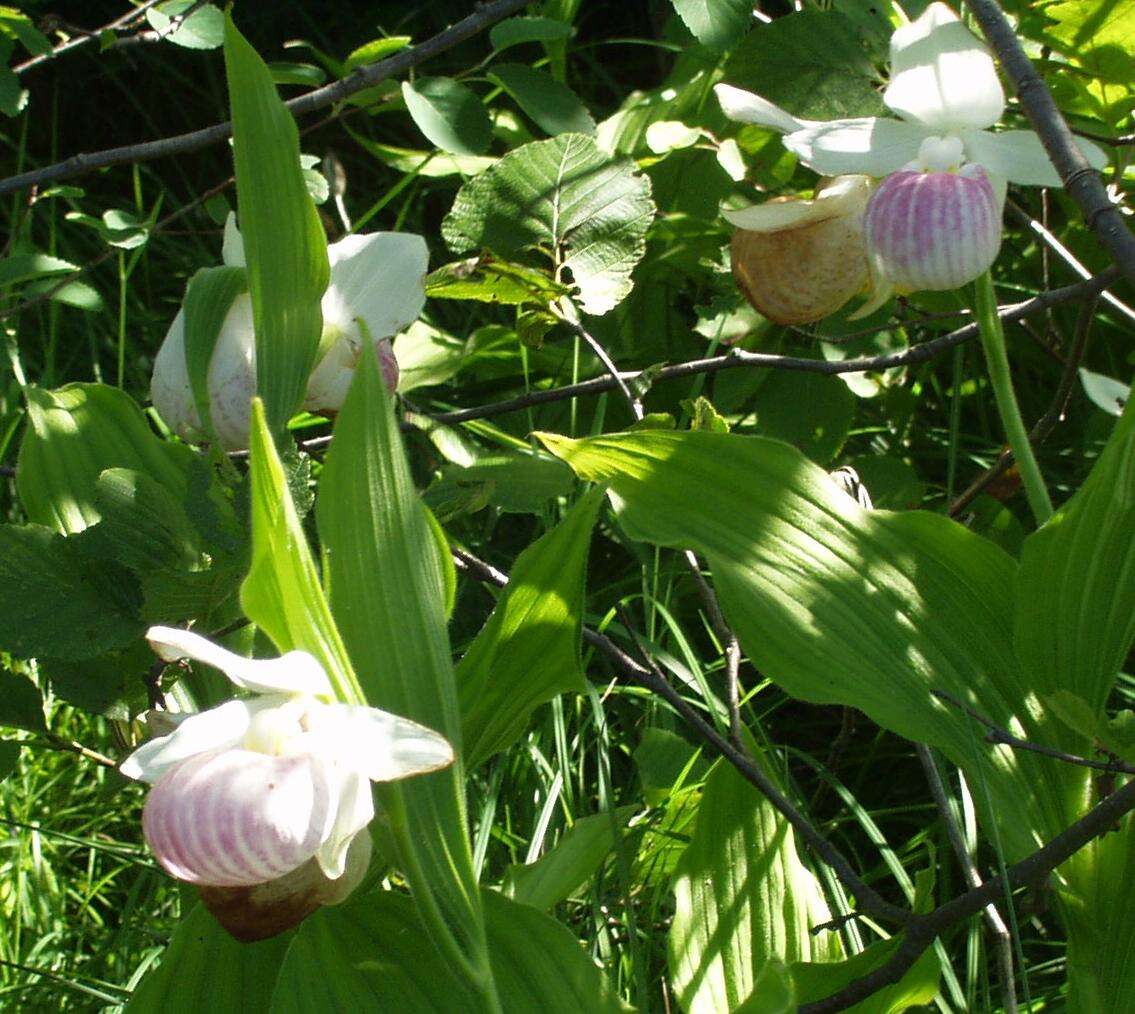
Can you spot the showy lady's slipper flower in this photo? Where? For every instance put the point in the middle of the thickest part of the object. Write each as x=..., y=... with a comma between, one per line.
x=376, y=279
x=946, y=94
x=258, y=788
x=799, y=261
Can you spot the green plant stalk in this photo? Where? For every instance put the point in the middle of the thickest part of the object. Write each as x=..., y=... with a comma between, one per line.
x=997, y=361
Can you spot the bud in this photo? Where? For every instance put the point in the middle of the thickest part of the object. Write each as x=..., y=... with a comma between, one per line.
x=933, y=230
x=799, y=261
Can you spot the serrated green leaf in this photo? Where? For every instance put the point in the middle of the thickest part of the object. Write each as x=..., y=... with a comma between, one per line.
x=368, y=955
x=9, y=758
x=21, y=704
x=528, y=651
x=17, y=25
x=518, y=30
x=74, y=434
x=13, y=98
x=450, y=114
x=811, y=411
x=562, y=195
x=284, y=244
x=810, y=62
x=208, y=298
x=553, y=106
x=743, y=899
x=717, y=24
x=493, y=281
x=56, y=601
x=387, y=591
x=571, y=862
x=22, y=267
x=110, y=684
x=204, y=28
x=665, y=762
x=203, y=968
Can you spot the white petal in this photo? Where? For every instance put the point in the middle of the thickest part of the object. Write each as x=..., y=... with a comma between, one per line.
x=845, y=195
x=382, y=746
x=941, y=75
x=232, y=376
x=739, y=104
x=871, y=145
x=169, y=385
x=232, y=249
x=1019, y=156
x=235, y=817
x=330, y=381
x=378, y=277
x=297, y=672
x=217, y=728
x=354, y=813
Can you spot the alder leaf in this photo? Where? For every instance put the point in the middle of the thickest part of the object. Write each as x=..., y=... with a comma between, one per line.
x=587, y=211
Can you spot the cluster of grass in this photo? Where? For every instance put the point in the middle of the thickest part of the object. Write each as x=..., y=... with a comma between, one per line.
x=83, y=910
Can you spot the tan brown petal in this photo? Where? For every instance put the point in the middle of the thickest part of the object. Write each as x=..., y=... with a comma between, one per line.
x=798, y=276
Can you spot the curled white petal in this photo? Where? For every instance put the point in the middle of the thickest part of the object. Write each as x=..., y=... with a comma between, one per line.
x=382, y=746
x=232, y=248
x=235, y=818
x=747, y=107
x=845, y=195
x=217, y=728
x=870, y=145
x=296, y=672
x=354, y=812
x=941, y=75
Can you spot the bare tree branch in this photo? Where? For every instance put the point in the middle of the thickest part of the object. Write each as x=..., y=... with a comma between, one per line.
x=482, y=16
x=1081, y=181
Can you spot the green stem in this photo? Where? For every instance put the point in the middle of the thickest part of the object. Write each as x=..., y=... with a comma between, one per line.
x=993, y=340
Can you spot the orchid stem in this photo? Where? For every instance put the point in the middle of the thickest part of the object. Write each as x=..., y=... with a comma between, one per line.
x=997, y=361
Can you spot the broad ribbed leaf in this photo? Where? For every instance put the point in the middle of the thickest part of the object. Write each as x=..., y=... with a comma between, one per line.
x=528, y=651
x=205, y=969
x=450, y=114
x=1075, y=618
x=570, y=863
x=387, y=593
x=367, y=955
x=837, y=604
x=565, y=196
x=717, y=24
x=554, y=107
x=916, y=988
x=282, y=594
x=208, y=299
x=284, y=245
x=743, y=899
x=73, y=435
x=521, y=483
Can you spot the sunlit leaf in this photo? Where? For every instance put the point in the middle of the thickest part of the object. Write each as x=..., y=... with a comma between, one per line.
x=450, y=114
x=717, y=24
x=554, y=107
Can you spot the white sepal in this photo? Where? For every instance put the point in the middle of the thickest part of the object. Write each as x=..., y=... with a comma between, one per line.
x=746, y=107
x=384, y=747
x=869, y=145
x=297, y=672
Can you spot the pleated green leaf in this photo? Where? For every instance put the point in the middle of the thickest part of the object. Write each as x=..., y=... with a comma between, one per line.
x=840, y=605
x=1075, y=620
x=204, y=969
x=284, y=245
x=76, y=432
x=208, y=299
x=528, y=651
x=743, y=899
x=369, y=955
x=388, y=596
x=282, y=594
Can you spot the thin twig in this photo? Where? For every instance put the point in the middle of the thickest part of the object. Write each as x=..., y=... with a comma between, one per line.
x=132, y=15
x=570, y=320
x=57, y=742
x=1081, y=181
x=921, y=931
x=738, y=358
x=364, y=77
x=1047, y=422
x=1003, y=939
x=998, y=734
